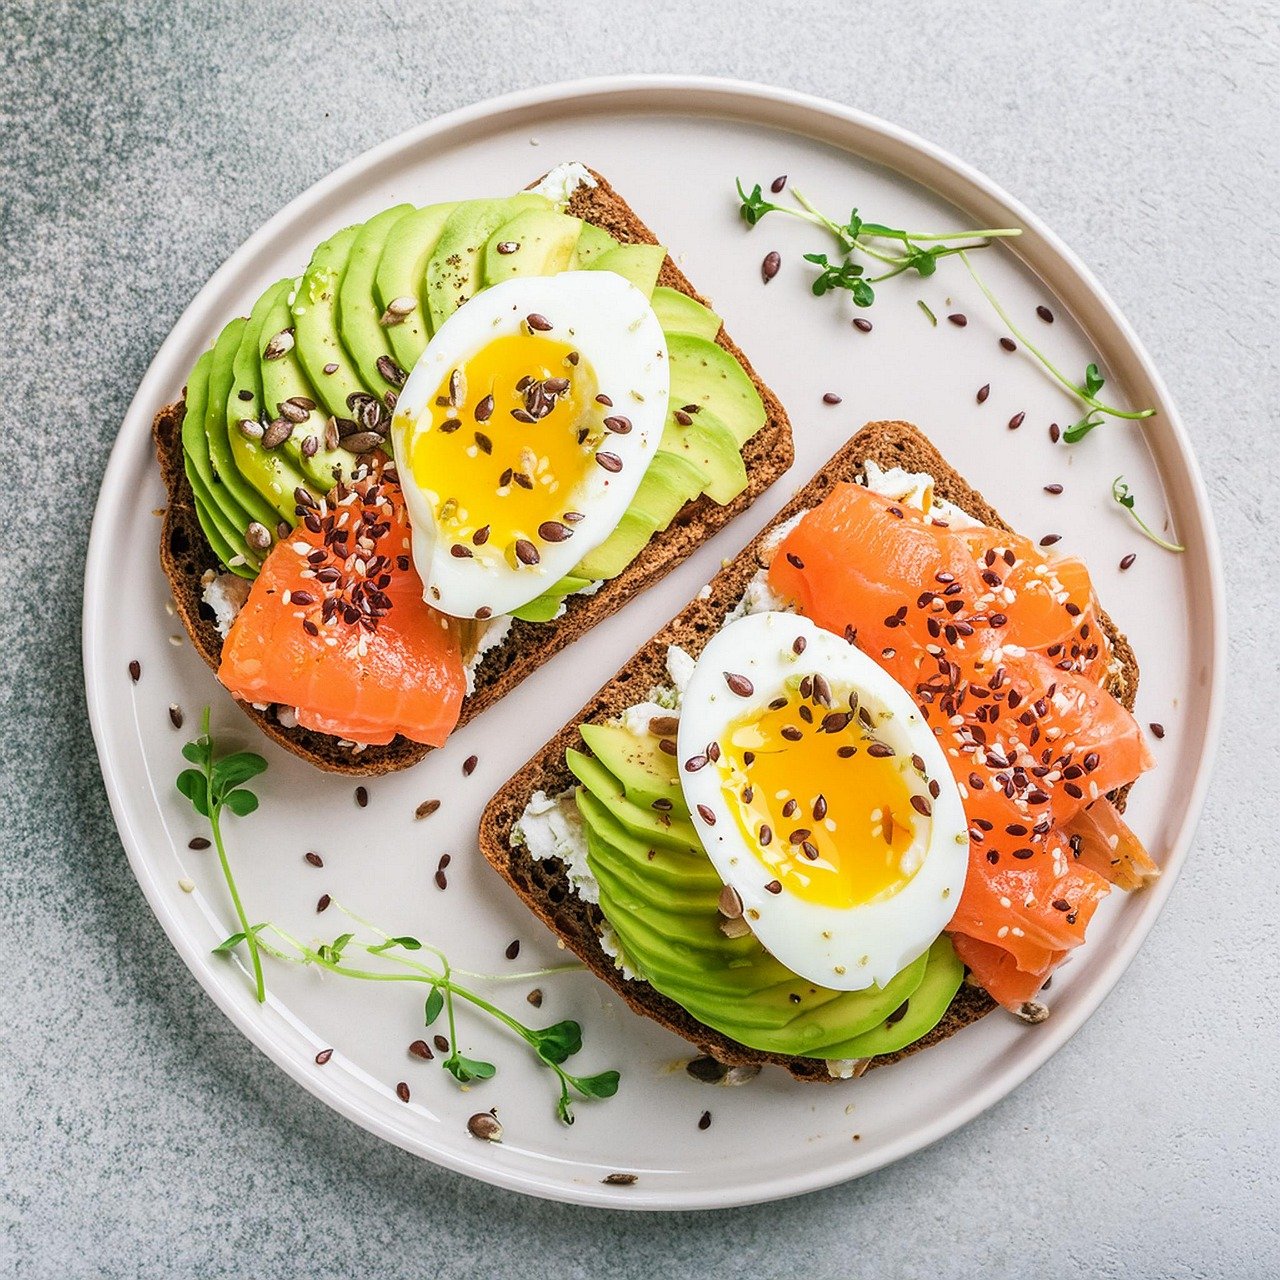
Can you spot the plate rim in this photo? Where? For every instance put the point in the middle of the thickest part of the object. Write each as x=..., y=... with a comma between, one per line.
x=753, y=99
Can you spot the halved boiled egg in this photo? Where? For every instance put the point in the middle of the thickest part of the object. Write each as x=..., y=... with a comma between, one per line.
x=823, y=800
x=523, y=432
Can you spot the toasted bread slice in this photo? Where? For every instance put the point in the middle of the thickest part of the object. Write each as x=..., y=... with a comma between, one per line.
x=186, y=555
x=543, y=885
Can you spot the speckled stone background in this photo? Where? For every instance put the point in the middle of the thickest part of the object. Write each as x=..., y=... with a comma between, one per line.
x=139, y=144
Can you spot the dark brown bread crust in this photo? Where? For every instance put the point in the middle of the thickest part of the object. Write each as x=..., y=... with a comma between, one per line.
x=543, y=885
x=185, y=553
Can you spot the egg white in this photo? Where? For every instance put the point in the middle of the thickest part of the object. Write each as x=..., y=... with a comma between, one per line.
x=611, y=323
x=863, y=945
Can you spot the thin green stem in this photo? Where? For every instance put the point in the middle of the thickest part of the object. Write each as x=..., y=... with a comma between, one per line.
x=1076, y=390
x=215, y=825
x=988, y=233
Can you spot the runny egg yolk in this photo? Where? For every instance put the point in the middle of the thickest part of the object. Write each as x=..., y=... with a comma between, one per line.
x=512, y=433
x=816, y=795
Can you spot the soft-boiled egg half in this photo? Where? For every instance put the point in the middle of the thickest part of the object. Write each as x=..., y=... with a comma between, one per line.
x=823, y=800
x=522, y=434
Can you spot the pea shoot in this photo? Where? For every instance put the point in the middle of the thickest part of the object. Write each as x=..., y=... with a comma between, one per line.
x=1121, y=492
x=217, y=783
x=899, y=251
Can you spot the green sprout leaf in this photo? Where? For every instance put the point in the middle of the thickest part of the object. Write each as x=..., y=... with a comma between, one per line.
x=559, y=1042
x=434, y=1006
x=464, y=1070
x=604, y=1085
x=1078, y=430
x=210, y=787
x=1121, y=492
x=754, y=205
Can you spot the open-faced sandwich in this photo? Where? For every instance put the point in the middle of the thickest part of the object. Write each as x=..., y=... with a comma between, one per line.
x=463, y=436
x=887, y=747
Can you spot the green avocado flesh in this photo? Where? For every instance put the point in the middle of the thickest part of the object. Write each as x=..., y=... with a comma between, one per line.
x=660, y=895
x=349, y=340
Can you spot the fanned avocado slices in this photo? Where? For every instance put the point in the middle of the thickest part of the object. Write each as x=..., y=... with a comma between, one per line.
x=320, y=349
x=679, y=313
x=226, y=536
x=706, y=375
x=284, y=383
x=639, y=263
x=359, y=317
x=230, y=491
x=453, y=272
x=398, y=280
x=536, y=242
x=270, y=471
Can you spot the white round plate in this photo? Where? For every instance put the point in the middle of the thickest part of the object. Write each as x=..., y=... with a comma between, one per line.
x=672, y=146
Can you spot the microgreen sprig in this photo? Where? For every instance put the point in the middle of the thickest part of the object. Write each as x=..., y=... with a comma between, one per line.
x=552, y=1045
x=217, y=782
x=1121, y=492
x=1086, y=390
x=920, y=251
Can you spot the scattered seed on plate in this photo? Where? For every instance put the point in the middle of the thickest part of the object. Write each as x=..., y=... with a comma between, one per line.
x=535, y=997
x=769, y=267
x=983, y=392
x=323, y=1056
x=1008, y=344
x=778, y=183
x=959, y=319
x=469, y=766
x=441, y=1044
x=362, y=797
x=832, y=398
x=619, y=1179
x=862, y=324
x=1156, y=728
x=704, y=1121
x=484, y=1125
x=135, y=670
x=323, y=903
x=1050, y=538
x=314, y=858
x=442, y=881
x=1016, y=421
x=426, y=808
x=421, y=1049
x=198, y=842
x=1127, y=561
x=402, y=1091
x=513, y=949
x=1044, y=313
x=175, y=715
x=1053, y=488
x=1055, y=433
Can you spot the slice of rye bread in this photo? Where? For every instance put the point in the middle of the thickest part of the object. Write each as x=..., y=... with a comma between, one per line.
x=186, y=555
x=543, y=885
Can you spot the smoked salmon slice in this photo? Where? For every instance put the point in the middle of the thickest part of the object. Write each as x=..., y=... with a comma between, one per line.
x=335, y=625
x=1002, y=648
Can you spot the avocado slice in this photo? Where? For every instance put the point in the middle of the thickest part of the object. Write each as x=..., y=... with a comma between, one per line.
x=536, y=242
x=237, y=498
x=547, y=606
x=364, y=338
x=924, y=1008
x=710, y=445
x=621, y=547
x=283, y=378
x=592, y=242
x=269, y=470
x=647, y=824
x=672, y=871
x=647, y=774
x=314, y=306
x=705, y=374
x=226, y=537
x=639, y=263
x=453, y=271
x=671, y=480
x=679, y=313
x=402, y=269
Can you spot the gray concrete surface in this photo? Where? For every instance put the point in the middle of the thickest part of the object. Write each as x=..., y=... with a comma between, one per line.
x=139, y=144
